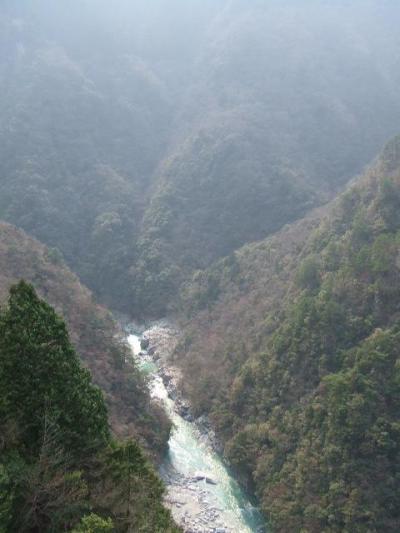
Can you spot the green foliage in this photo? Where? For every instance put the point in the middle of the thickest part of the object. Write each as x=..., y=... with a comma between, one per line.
x=390, y=204
x=41, y=375
x=59, y=466
x=134, y=490
x=95, y=336
x=310, y=416
x=94, y=524
x=308, y=276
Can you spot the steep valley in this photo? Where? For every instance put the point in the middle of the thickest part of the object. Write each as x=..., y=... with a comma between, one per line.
x=291, y=348
x=201, y=492
x=142, y=164
x=93, y=332
x=204, y=164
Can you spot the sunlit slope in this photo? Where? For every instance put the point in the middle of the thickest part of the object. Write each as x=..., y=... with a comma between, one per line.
x=294, y=345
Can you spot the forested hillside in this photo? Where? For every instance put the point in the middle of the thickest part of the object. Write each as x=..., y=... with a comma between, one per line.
x=191, y=160
x=60, y=469
x=145, y=145
x=288, y=100
x=293, y=350
x=93, y=333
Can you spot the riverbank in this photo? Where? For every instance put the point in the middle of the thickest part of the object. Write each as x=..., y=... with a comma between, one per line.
x=160, y=342
x=201, y=494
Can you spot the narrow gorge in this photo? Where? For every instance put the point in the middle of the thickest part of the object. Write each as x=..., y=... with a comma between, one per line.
x=200, y=230
x=201, y=492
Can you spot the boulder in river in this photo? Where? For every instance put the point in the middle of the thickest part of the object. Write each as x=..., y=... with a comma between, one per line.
x=144, y=343
x=199, y=476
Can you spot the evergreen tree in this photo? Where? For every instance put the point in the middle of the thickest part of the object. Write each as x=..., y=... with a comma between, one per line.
x=41, y=376
x=60, y=470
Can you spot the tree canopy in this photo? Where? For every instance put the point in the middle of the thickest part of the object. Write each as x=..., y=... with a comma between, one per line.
x=60, y=467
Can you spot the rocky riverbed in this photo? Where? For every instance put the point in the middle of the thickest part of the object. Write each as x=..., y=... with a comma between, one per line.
x=201, y=494
x=190, y=504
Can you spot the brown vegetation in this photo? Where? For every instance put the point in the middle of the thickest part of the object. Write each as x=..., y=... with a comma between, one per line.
x=93, y=331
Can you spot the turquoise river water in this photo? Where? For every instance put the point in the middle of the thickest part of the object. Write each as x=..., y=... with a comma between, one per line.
x=190, y=453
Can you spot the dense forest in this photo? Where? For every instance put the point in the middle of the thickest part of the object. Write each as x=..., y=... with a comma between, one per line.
x=60, y=468
x=93, y=332
x=292, y=349
x=203, y=162
x=145, y=145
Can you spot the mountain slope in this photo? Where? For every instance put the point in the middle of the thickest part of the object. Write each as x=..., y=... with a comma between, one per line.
x=303, y=385
x=78, y=138
x=93, y=333
x=280, y=112
x=148, y=141
x=60, y=469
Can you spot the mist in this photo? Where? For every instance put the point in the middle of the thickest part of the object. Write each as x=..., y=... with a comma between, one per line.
x=230, y=118
x=208, y=193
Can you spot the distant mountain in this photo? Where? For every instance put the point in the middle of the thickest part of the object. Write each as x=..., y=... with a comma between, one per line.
x=78, y=144
x=292, y=348
x=147, y=142
x=93, y=333
x=287, y=101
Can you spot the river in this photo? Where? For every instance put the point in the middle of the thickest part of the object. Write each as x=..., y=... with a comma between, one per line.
x=201, y=493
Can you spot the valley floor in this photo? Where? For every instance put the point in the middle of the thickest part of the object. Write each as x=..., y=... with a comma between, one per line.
x=201, y=493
